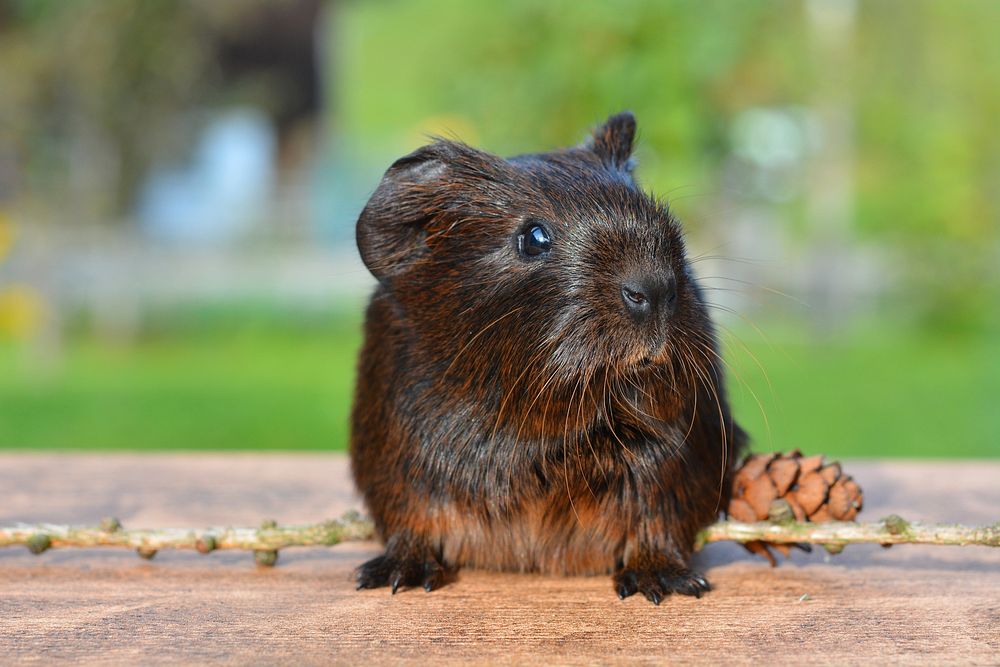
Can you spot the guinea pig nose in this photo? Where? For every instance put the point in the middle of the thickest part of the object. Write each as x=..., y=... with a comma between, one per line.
x=650, y=295
x=636, y=302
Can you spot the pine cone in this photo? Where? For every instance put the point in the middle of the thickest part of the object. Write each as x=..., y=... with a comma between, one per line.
x=769, y=486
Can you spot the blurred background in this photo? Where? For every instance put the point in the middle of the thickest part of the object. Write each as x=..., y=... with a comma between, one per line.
x=179, y=183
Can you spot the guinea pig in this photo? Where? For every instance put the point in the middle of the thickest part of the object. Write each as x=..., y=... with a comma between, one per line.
x=540, y=387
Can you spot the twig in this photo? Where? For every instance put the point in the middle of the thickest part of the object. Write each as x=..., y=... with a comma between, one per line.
x=266, y=540
x=893, y=529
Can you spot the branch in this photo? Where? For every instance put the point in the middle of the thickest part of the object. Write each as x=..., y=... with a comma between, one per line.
x=263, y=541
x=893, y=529
x=266, y=540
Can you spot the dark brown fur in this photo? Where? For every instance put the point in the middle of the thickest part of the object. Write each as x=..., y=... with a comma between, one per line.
x=509, y=412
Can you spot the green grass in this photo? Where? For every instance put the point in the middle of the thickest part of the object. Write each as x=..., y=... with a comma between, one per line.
x=261, y=388
x=878, y=393
x=229, y=384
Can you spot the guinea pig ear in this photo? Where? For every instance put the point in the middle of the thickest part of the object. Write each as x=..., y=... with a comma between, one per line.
x=391, y=227
x=612, y=141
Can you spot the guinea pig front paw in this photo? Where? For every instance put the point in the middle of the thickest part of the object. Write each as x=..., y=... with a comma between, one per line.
x=386, y=570
x=657, y=583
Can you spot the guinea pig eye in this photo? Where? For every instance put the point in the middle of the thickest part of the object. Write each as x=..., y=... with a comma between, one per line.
x=534, y=241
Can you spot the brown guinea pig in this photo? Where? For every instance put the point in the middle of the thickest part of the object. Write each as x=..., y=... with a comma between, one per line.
x=540, y=387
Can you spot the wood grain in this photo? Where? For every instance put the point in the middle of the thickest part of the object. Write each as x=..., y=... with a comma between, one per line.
x=909, y=604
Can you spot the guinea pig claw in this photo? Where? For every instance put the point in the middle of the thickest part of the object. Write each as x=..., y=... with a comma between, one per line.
x=374, y=573
x=626, y=584
x=687, y=582
x=657, y=584
x=434, y=576
x=401, y=572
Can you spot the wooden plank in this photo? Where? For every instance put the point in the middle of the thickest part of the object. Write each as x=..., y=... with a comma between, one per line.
x=908, y=604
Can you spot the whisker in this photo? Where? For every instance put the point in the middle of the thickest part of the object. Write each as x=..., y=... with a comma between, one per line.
x=481, y=332
x=750, y=283
x=723, y=424
x=569, y=492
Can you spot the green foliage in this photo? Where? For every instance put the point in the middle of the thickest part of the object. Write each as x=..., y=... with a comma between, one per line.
x=918, y=81
x=524, y=75
x=920, y=78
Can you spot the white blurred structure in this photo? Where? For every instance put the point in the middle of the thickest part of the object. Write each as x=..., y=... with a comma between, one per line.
x=225, y=190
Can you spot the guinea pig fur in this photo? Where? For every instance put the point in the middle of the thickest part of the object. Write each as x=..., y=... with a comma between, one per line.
x=540, y=387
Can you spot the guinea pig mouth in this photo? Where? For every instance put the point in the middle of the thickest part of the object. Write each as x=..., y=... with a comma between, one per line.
x=654, y=357
x=640, y=360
